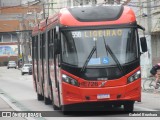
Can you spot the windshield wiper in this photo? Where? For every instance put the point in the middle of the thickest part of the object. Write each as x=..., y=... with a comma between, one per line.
x=113, y=56
x=88, y=58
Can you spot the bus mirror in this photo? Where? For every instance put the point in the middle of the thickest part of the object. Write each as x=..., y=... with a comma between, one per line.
x=140, y=27
x=57, y=29
x=143, y=44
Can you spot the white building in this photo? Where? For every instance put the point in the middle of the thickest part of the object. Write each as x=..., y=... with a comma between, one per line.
x=4, y=3
x=155, y=31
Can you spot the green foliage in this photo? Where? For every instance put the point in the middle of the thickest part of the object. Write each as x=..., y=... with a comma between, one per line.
x=5, y=63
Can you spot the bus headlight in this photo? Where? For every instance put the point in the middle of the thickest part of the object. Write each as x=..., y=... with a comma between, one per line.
x=69, y=80
x=134, y=77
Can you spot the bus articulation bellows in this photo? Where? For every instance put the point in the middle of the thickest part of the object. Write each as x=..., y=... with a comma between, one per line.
x=88, y=55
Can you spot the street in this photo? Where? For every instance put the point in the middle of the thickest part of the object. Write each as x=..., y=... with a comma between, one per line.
x=19, y=91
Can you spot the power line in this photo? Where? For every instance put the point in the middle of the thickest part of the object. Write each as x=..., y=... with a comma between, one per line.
x=144, y=2
x=25, y=6
x=144, y=6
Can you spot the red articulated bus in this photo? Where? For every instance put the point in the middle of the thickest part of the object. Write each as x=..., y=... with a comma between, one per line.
x=88, y=56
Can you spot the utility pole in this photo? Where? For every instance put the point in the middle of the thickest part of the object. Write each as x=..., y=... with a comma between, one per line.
x=18, y=39
x=110, y=1
x=118, y=1
x=44, y=16
x=93, y=2
x=149, y=17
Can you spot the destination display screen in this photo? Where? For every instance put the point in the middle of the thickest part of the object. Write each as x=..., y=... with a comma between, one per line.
x=96, y=33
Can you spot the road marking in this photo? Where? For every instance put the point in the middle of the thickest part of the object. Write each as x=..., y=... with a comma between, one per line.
x=9, y=103
x=14, y=105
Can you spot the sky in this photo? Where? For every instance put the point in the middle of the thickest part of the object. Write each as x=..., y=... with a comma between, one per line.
x=25, y=1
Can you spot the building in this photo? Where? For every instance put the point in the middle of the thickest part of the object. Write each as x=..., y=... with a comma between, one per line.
x=4, y=3
x=155, y=32
x=16, y=23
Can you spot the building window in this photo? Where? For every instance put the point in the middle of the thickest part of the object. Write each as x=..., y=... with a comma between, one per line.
x=14, y=37
x=7, y=37
x=1, y=38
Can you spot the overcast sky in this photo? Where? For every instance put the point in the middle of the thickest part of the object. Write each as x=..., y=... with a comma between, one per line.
x=25, y=1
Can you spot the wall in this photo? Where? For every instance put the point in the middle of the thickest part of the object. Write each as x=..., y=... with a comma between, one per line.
x=155, y=32
x=7, y=50
x=13, y=19
x=155, y=49
x=10, y=2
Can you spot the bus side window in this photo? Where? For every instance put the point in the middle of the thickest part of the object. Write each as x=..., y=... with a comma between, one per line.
x=51, y=45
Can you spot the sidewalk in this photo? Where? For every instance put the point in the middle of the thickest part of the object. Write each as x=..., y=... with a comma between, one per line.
x=149, y=100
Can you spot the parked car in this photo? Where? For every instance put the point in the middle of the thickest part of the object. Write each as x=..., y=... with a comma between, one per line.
x=12, y=64
x=25, y=68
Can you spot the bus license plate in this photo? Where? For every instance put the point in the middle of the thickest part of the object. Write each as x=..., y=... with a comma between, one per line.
x=103, y=96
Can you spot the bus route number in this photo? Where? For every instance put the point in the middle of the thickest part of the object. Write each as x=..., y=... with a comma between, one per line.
x=89, y=84
x=76, y=34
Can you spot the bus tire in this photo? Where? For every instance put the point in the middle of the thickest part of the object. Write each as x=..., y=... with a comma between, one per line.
x=55, y=107
x=40, y=97
x=65, y=110
x=47, y=101
x=129, y=106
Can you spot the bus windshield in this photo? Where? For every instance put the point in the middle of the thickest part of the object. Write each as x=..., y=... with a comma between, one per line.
x=77, y=45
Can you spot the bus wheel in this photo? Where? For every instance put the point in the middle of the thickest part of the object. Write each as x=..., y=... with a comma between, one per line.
x=40, y=97
x=55, y=107
x=65, y=112
x=129, y=106
x=47, y=101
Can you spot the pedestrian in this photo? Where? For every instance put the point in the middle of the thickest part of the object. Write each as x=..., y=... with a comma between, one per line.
x=155, y=71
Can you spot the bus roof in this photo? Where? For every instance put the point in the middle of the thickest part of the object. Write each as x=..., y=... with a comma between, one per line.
x=90, y=16
x=97, y=15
